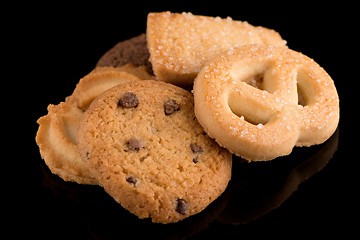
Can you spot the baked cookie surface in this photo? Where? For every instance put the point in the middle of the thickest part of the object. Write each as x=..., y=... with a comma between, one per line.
x=181, y=43
x=145, y=147
x=56, y=136
x=259, y=101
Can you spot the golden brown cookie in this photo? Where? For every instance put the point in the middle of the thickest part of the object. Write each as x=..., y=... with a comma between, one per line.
x=57, y=130
x=144, y=145
x=180, y=44
x=56, y=138
x=259, y=101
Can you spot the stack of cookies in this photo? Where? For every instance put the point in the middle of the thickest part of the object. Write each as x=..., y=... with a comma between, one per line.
x=131, y=127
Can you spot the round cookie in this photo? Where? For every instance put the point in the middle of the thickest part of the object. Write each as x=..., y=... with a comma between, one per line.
x=56, y=136
x=133, y=50
x=145, y=147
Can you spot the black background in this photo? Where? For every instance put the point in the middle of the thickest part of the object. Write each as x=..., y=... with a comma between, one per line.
x=52, y=46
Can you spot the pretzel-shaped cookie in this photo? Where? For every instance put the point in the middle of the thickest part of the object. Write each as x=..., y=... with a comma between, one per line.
x=259, y=101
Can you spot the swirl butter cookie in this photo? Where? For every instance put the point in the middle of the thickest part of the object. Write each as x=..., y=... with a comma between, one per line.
x=144, y=145
x=259, y=101
x=56, y=136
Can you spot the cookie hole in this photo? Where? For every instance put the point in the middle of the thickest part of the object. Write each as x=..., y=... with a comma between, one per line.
x=303, y=93
x=254, y=74
x=301, y=96
x=246, y=110
x=246, y=107
x=256, y=81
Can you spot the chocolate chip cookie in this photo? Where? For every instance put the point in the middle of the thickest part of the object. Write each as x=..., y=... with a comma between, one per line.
x=56, y=136
x=144, y=145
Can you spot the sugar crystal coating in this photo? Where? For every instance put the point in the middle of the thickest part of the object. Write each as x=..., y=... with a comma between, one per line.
x=259, y=101
x=180, y=44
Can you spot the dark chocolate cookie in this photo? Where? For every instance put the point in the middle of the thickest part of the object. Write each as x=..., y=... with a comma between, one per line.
x=133, y=50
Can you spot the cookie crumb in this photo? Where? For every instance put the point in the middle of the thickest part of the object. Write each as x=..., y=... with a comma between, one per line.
x=129, y=100
x=171, y=106
x=182, y=206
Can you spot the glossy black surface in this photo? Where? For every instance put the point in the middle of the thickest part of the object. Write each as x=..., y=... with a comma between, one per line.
x=312, y=192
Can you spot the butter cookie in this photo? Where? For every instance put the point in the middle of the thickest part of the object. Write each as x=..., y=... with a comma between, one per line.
x=259, y=101
x=180, y=44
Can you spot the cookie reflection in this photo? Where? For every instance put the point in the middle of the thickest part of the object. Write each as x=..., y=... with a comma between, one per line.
x=255, y=190
x=106, y=219
x=259, y=188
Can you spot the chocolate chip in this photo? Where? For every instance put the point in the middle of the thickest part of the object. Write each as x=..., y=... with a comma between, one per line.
x=131, y=180
x=182, y=206
x=195, y=159
x=129, y=100
x=196, y=148
x=171, y=106
x=134, y=144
